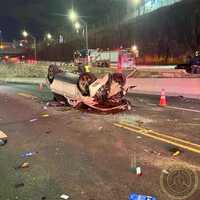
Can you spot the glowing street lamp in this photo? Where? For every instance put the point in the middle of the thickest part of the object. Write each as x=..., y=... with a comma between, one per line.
x=77, y=25
x=49, y=36
x=134, y=48
x=25, y=34
x=136, y=2
x=73, y=16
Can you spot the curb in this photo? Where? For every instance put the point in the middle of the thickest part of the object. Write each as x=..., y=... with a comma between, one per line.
x=23, y=80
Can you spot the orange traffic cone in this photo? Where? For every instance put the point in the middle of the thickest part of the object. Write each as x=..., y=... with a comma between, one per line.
x=163, y=101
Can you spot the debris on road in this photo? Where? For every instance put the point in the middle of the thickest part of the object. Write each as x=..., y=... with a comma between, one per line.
x=3, y=138
x=153, y=152
x=100, y=128
x=45, y=115
x=45, y=108
x=177, y=153
x=48, y=132
x=146, y=150
x=64, y=109
x=28, y=154
x=139, y=122
x=165, y=171
x=139, y=137
x=134, y=196
x=18, y=185
x=139, y=171
x=55, y=104
x=23, y=166
x=33, y=120
x=64, y=196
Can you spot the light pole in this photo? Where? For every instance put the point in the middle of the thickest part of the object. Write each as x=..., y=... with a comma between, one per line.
x=1, y=38
x=26, y=34
x=73, y=16
x=137, y=4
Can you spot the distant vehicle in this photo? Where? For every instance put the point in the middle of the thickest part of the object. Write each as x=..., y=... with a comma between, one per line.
x=124, y=58
x=102, y=94
x=192, y=66
x=10, y=60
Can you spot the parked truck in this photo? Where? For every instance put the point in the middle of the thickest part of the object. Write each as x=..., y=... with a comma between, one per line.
x=123, y=58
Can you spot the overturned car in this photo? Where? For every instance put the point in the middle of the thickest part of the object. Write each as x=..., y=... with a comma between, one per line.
x=102, y=94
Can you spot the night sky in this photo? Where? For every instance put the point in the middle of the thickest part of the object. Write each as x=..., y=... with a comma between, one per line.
x=40, y=16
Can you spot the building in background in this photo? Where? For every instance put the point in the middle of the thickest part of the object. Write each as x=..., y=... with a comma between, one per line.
x=146, y=6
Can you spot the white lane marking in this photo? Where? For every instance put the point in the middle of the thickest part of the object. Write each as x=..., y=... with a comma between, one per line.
x=184, y=109
x=177, y=108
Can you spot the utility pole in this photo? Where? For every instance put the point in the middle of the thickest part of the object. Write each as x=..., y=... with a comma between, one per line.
x=1, y=37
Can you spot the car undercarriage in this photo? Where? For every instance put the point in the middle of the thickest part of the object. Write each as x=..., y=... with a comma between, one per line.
x=102, y=94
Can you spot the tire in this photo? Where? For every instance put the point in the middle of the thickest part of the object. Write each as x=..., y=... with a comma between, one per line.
x=52, y=71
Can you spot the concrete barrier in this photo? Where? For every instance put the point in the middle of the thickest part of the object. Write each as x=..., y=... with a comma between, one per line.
x=155, y=66
x=175, y=82
x=40, y=70
x=188, y=87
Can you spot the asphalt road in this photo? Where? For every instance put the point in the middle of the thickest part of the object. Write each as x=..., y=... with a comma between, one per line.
x=85, y=154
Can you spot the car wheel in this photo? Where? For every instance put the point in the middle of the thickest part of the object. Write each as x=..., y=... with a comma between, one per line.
x=52, y=71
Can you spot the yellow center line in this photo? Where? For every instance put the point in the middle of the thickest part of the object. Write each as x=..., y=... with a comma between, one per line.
x=162, y=135
x=137, y=130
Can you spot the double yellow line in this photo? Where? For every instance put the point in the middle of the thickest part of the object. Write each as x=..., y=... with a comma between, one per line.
x=161, y=137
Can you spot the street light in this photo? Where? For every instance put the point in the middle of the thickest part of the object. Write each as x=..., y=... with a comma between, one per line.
x=25, y=34
x=134, y=48
x=73, y=16
x=136, y=2
x=49, y=36
x=77, y=25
